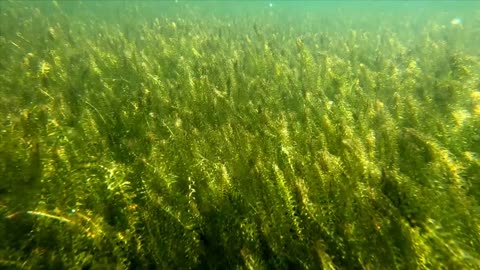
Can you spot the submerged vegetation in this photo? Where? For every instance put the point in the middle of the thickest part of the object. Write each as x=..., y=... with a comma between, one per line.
x=199, y=139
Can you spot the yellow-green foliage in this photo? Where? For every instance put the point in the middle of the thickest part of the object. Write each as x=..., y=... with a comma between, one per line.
x=209, y=140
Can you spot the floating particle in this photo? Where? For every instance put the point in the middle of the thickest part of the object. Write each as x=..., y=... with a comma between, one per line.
x=456, y=22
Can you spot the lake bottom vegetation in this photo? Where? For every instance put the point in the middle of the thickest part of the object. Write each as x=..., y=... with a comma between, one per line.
x=189, y=136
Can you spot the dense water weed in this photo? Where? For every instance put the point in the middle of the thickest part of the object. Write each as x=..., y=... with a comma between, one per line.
x=211, y=135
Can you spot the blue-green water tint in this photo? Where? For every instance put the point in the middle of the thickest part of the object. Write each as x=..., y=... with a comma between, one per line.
x=401, y=17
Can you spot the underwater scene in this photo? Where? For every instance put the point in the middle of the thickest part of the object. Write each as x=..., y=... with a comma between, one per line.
x=239, y=135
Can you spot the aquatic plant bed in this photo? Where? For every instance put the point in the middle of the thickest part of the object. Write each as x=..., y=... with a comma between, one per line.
x=223, y=135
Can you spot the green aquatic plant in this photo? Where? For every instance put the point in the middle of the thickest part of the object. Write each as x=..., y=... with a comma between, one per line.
x=224, y=141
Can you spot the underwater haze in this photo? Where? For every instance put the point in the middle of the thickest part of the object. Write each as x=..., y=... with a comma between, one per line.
x=239, y=135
